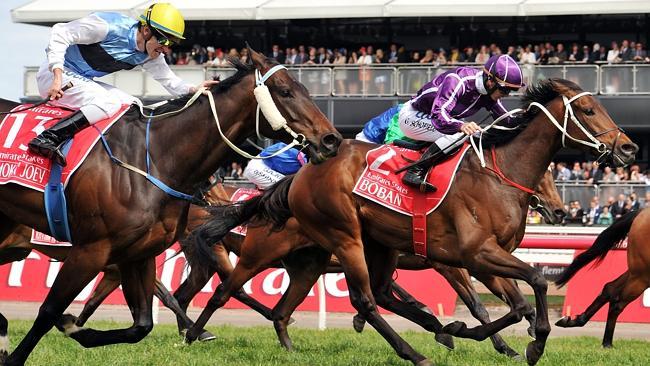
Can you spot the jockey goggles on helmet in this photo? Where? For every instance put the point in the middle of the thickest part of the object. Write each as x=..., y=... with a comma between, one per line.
x=165, y=22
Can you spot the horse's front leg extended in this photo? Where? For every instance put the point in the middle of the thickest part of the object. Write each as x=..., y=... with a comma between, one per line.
x=81, y=266
x=490, y=258
x=138, y=280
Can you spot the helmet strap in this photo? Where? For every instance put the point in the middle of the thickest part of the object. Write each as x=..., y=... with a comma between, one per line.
x=486, y=77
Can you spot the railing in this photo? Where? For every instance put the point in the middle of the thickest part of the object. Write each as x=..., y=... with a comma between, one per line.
x=583, y=192
x=385, y=79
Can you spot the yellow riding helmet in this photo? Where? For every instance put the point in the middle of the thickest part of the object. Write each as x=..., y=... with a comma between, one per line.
x=165, y=18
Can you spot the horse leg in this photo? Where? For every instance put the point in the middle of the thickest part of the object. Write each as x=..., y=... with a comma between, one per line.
x=631, y=289
x=255, y=256
x=224, y=269
x=609, y=293
x=489, y=257
x=138, y=287
x=81, y=266
x=110, y=281
x=350, y=254
x=381, y=265
x=304, y=266
x=461, y=282
x=408, y=298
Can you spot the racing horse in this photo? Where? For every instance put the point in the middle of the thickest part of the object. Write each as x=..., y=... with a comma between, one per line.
x=620, y=292
x=546, y=200
x=117, y=217
x=475, y=227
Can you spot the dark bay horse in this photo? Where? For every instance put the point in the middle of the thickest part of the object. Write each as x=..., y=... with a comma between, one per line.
x=620, y=292
x=546, y=200
x=117, y=217
x=476, y=227
x=18, y=245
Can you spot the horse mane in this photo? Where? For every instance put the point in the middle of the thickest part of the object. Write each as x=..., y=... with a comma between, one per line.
x=542, y=92
x=223, y=86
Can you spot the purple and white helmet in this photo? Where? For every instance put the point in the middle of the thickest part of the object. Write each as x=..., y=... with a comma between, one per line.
x=504, y=71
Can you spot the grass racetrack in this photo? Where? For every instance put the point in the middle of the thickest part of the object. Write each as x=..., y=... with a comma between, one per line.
x=259, y=346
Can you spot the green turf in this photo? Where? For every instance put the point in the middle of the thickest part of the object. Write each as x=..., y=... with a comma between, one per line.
x=258, y=346
x=554, y=301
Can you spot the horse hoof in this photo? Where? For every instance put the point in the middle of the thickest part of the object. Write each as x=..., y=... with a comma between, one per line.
x=532, y=354
x=426, y=310
x=3, y=356
x=454, y=328
x=445, y=340
x=424, y=362
x=563, y=322
x=206, y=337
x=358, y=323
x=608, y=345
x=511, y=353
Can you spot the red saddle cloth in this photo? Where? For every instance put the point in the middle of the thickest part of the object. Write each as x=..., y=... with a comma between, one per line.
x=380, y=184
x=243, y=194
x=18, y=165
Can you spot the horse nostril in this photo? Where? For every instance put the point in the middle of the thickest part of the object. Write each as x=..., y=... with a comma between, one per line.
x=559, y=213
x=630, y=149
x=331, y=140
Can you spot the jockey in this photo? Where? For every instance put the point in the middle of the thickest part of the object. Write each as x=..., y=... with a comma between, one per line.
x=434, y=113
x=266, y=172
x=100, y=44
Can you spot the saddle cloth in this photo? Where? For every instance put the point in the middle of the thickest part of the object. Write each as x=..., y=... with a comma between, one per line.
x=18, y=165
x=243, y=194
x=380, y=184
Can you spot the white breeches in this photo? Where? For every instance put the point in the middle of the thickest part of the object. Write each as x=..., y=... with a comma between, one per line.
x=418, y=126
x=260, y=174
x=362, y=137
x=95, y=99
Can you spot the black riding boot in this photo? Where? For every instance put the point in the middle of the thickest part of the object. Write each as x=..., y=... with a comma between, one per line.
x=49, y=142
x=416, y=175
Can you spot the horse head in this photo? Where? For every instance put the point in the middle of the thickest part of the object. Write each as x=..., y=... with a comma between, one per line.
x=586, y=124
x=293, y=105
x=547, y=200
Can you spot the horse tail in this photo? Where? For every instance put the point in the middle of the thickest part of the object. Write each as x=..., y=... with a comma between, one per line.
x=606, y=241
x=271, y=206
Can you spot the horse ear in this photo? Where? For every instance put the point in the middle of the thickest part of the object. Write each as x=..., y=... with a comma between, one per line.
x=257, y=58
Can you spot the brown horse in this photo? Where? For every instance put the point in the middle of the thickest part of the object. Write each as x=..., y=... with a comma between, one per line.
x=546, y=200
x=117, y=217
x=620, y=292
x=18, y=245
x=476, y=227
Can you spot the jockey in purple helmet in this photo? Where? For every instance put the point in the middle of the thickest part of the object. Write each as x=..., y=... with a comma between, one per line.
x=435, y=113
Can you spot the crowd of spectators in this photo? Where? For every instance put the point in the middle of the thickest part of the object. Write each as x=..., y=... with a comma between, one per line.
x=543, y=53
x=590, y=172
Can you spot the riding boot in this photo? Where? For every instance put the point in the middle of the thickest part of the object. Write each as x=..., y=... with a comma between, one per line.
x=416, y=175
x=49, y=142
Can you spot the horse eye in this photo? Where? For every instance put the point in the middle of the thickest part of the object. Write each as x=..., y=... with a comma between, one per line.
x=589, y=112
x=286, y=93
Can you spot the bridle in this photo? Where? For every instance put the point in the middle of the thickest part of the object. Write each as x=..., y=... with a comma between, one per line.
x=592, y=141
x=270, y=111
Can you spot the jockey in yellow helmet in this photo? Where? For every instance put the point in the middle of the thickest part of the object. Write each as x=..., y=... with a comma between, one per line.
x=100, y=44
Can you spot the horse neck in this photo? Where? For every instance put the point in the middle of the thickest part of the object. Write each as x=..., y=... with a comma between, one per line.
x=526, y=158
x=189, y=150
